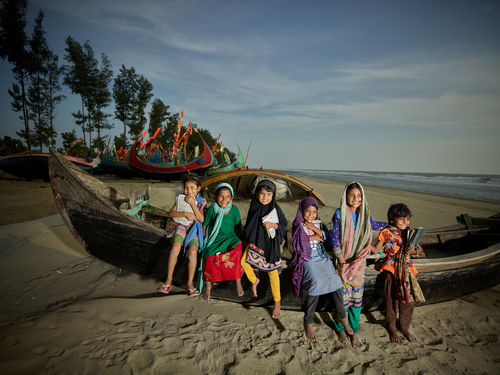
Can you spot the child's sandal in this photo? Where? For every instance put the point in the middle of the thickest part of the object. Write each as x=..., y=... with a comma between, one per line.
x=192, y=292
x=165, y=288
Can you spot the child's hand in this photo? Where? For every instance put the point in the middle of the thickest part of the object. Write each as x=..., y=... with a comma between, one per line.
x=268, y=225
x=190, y=216
x=410, y=250
x=309, y=225
x=316, y=237
x=191, y=200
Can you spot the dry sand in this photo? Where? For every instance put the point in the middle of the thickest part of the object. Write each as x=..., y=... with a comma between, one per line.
x=65, y=312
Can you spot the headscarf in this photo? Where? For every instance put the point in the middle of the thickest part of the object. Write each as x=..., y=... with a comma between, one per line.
x=213, y=230
x=255, y=233
x=301, y=245
x=196, y=229
x=355, y=244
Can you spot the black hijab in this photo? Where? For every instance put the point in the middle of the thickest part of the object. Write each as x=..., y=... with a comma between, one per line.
x=254, y=231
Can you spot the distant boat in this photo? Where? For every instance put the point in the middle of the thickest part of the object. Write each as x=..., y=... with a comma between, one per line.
x=166, y=171
x=243, y=181
x=120, y=168
x=220, y=168
x=35, y=166
x=464, y=258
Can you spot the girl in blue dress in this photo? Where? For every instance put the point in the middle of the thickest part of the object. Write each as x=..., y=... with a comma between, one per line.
x=312, y=268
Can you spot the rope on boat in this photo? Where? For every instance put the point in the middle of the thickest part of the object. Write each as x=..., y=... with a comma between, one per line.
x=139, y=203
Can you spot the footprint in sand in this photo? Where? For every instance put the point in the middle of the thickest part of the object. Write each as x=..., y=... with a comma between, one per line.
x=140, y=360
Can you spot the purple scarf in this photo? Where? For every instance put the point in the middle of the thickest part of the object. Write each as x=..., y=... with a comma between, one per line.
x=301, y=245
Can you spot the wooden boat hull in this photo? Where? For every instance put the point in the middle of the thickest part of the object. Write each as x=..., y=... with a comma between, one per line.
x=35, y=166
x=90, y=209
x=239, y=163
x=163, y=171
x=242, y=181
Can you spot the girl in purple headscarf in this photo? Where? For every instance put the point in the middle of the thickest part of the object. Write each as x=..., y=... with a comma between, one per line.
x=312, y=268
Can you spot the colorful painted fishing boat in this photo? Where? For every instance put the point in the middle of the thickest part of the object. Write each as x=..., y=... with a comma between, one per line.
x=239, y=163
x=166, y=171
x=243, y=182
x=35, y=166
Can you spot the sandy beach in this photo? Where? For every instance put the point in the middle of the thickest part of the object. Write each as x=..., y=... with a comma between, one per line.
x=66, y=312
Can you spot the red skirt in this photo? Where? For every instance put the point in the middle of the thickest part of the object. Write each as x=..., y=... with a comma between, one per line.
x=223, y=266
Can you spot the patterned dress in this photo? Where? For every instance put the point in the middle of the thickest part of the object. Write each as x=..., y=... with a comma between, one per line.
x=181, y=229
x=353, y=297
x=392, y=245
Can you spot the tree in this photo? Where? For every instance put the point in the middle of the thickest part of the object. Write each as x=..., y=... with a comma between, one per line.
x=39, y=53
x=51, y=87
x=132, y=93
x=71, y=145
x=10, y=146
x=91, y=81
x=13, y=42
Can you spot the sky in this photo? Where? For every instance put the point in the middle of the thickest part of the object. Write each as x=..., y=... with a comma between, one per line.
x=401, y=86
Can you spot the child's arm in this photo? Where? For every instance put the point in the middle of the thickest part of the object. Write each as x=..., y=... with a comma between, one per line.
x=410, y=250
x=200, y=216
x=268, y=225
x=237, y=230
x=174, y=213
x=375, y=249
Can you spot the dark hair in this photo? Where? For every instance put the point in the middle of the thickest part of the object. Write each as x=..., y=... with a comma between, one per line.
x=398, y=210
x=354, y=185
x=266, y=188
x=222, y=188
x=191, y=177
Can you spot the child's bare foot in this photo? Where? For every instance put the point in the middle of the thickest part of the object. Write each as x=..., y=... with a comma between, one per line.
x=354, y=341
x=346, y=326
x=394, y=337
x=277, y=309
x=206, y=293
x=239, y=288
x=342, y=337
x=407, y=335
x=254, y=287
x=310, y=332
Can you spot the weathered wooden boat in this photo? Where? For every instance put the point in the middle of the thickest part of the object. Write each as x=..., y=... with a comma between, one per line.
x=464, y=258
x=34, y=166
x=239, y=163
x=244, y=180
x=166, y=171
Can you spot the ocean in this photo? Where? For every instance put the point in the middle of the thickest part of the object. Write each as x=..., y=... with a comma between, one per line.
x=481, y=187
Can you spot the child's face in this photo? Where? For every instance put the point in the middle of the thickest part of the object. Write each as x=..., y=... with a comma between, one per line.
x=191, y=189
x=264, y=197
x=310, y=214
x=354, y=199
x=223, y=198
x=401, y=222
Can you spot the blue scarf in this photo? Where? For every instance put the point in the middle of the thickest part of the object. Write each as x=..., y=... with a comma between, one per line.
x=196, y=229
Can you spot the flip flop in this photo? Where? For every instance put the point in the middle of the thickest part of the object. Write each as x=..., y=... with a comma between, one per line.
x=165, y=289
x=192, y=292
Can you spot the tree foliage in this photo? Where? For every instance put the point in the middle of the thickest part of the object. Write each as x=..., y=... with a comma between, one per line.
x=10, y=146
x=13, y=47
x=131, y=92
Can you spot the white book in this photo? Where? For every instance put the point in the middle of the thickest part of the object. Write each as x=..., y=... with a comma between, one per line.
x=182, y=206
x=271, y=217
